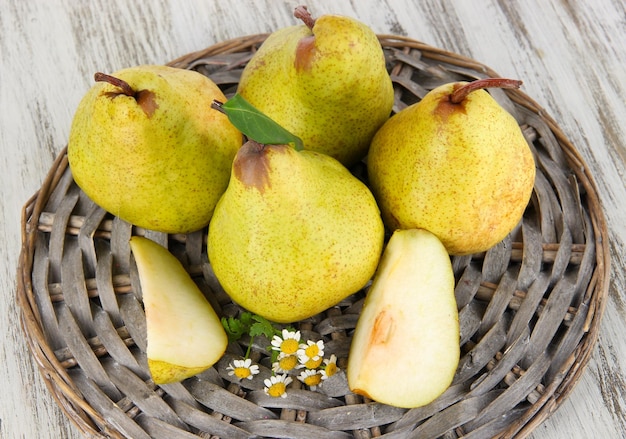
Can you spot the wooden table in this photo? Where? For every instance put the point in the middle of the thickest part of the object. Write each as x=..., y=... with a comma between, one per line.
x=571, y=56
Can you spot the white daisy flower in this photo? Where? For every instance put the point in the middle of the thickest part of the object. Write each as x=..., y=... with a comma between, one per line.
x=288, y=344
x=243, y=369
x=276, y=385
x=285, y=363
x=311, y=351
x=311, y=378
x=330, y=367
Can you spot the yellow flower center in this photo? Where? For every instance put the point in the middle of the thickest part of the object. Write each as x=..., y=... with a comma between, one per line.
x=331, y=369
x=313, y=364
x=277, y=389
x=288, y=362
x=289, y=346
x=313, y=380
x=312, y=351
x=242, y=372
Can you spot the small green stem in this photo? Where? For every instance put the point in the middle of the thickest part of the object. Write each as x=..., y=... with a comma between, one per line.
x=249, y=347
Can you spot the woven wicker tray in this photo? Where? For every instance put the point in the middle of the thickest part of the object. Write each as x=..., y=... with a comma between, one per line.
x=530, y=308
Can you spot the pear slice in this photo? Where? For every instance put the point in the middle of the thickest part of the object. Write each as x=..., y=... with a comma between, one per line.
x=405, y=349
x=185, y=334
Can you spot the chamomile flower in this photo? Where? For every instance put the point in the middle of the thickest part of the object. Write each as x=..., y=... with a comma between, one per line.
x=285, y=363
x=243, y=369
x=309, y=363
x=330, y=367
x=311, y=378
x=276, y=385
x=288, y=344
x=311, y=350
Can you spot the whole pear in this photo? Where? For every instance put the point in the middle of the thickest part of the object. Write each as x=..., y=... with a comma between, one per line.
x=325, y=81
x=294, y=233
x=146, y=146
x=184, y=333
x=457, y=164
x=405, y=349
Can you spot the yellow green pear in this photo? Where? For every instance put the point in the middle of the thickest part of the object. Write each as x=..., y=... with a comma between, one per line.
x=294, y=233
x=324, y=81
x=457, y=164
x=146, y=146
x=184, y=334
x=405, y=349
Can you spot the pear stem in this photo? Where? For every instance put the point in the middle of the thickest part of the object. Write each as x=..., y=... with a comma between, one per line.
x=461, y=93
x=301, y=12
x=103, y=77
x=217, y=105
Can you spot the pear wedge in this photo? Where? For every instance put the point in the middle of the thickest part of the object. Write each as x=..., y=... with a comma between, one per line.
x=405, y=349
x=185, y=334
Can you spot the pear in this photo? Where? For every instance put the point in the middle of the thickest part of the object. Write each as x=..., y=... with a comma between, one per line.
x=456, y=163
x=184, y=334
x=146, y=146
x=405, y=349
x=294, y=233
x=325, y=81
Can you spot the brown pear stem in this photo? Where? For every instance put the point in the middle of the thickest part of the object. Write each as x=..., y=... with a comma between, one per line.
x=461, y=93
x=123, y=85
x=301, y=12
x=217, y=105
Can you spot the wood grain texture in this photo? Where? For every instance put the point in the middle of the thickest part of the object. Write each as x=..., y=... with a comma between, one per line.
x=571, y=55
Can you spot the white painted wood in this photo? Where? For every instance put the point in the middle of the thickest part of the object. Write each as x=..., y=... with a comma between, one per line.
x=570, y=54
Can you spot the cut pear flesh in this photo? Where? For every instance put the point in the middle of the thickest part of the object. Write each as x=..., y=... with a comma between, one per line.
x=405, y=349
x=184, y=333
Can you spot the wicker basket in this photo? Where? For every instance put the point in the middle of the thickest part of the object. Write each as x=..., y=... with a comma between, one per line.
x=530, y=308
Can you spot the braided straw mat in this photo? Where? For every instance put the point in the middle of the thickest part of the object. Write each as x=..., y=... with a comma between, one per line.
x=530, y=308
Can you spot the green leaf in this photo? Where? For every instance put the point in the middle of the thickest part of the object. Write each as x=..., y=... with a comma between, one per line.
x=262, y=326
x=256, y=125
x=246, y=319
x=248, y=323
x=234, y=328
